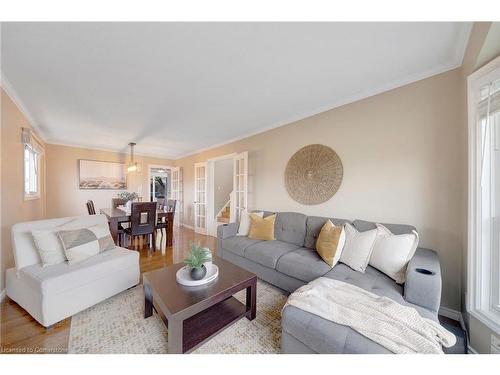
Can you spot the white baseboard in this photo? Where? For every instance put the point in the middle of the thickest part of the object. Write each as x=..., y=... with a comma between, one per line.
x=187, y=226
x=471, y=350
x=2, y=295
x=458, y=316
x=450, y=313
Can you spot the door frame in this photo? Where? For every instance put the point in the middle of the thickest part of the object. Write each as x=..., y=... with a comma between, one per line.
x=149, y=176
x=195, y=208
x=179, y=196
x=237, y=206
x=210, y=218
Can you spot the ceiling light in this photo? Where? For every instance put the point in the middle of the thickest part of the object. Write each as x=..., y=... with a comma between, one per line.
x=132, y=166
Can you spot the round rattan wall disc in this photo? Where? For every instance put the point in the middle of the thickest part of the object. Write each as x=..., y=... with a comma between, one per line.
x=313, y=174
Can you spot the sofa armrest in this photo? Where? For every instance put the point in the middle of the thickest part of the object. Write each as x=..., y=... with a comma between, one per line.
x=423, y=280
x=225, y=231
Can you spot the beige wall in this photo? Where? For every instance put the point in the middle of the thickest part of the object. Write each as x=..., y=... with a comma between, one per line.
x=14, y=208
x=403, y=160
x=64, y=198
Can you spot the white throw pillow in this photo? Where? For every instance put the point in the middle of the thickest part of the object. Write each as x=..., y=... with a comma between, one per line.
x=245, y=222
x=392, y=252
x=49, y=247
x=358, y=247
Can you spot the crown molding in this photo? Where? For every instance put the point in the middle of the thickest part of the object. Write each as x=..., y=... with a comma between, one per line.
x=462, y=43
x=348, y=100
x=461, y=46
x=13, y=95
x=111, y=150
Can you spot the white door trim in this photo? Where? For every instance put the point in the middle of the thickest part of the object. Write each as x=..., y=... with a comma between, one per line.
x=210, y=219
x=240, y=189
x=200, y=229
x=149, y=177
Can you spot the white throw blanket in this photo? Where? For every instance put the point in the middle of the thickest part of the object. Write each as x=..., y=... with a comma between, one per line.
x=398, y=328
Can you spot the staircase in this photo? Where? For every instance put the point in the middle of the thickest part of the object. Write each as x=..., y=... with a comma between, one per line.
x=223, y=216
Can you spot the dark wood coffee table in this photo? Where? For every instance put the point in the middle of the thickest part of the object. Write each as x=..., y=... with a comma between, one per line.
x=193, y=315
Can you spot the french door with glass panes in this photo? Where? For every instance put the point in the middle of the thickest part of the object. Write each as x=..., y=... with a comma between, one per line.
x=200, y=197
x=240, y=184
x=176, y=193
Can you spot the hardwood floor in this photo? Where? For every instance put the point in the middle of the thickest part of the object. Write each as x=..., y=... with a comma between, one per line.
x=20, y=333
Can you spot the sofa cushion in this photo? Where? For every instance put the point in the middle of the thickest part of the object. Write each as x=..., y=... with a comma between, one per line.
x=268, y=253
x=303, y=264
x=372, y=280
x=376, y=282
x=397, y=229
x=325, y=336
x=290, y=227
x=313, y=227
x=238, y=244
x=62, y=277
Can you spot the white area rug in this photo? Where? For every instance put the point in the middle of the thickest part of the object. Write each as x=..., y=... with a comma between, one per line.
x=117, y=325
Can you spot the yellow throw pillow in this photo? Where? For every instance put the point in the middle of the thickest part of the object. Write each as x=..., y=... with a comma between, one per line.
x=262, y=228
x=330, y=243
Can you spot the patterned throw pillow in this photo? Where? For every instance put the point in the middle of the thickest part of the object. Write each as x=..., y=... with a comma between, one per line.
x=84, y=243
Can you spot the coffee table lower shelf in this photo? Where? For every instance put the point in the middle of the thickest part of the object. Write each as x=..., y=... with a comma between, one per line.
x=207, y=323
x=203, y=326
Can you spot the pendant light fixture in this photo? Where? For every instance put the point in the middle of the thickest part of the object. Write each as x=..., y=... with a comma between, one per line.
x=132, y=166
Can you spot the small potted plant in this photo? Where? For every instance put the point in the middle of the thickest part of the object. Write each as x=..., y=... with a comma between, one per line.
x=195, y=261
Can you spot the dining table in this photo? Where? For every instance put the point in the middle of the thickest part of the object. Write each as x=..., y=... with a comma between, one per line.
x=117, y=215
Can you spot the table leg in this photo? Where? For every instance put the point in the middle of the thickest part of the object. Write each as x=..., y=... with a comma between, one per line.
x=148, y=301
x=113, y=228
x=175, y=336
x=252, y=301
x=169, y=231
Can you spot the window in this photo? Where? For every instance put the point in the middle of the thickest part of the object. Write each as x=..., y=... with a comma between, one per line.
x=32, y=156
x=483, y=298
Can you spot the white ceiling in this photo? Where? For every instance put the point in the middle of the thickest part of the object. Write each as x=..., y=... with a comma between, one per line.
x=175, y=88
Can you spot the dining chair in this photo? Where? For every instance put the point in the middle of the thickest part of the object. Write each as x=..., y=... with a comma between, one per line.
x=161, y=203
x=90, y=207
x=142, y=221
x=115, y=202
x=169, y=207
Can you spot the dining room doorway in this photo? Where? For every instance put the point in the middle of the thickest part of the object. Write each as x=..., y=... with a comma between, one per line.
x=159, y=183
x=165, y=182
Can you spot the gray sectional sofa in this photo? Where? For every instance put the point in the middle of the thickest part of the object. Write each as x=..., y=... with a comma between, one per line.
x=291, y=261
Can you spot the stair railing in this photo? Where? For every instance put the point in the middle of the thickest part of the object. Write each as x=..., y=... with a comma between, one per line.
x=227, y=204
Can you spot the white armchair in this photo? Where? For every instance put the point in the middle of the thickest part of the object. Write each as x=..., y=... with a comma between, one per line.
x=53, y=293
